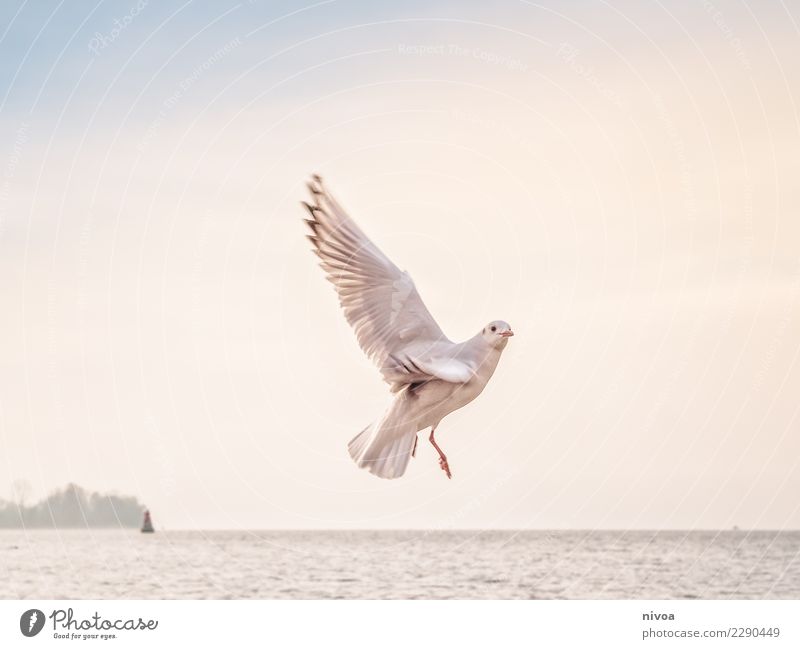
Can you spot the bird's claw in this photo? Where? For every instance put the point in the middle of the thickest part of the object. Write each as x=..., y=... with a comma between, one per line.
x=445, y=467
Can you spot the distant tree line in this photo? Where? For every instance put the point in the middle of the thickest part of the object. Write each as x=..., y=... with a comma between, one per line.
x=72, y=506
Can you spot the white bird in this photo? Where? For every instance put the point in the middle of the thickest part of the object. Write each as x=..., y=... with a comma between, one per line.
x=429, y=375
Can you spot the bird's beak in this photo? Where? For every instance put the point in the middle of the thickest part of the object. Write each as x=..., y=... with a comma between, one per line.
x=507, y=334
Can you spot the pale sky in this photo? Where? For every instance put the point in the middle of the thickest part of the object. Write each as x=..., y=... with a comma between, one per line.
x=619, y=181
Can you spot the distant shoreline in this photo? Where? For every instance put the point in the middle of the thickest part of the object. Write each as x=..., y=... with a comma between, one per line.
x=73, y=507
x=427, y=531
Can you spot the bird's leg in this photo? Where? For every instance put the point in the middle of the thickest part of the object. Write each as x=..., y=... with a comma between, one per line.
x=414, y=450
x=442, y=457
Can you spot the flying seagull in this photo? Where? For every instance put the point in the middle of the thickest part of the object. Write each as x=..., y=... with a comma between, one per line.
x=429, y=375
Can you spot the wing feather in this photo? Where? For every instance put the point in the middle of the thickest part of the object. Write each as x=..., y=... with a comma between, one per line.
x=392, y=324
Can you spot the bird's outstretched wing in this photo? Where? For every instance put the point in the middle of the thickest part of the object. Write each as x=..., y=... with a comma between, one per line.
x=381, y=303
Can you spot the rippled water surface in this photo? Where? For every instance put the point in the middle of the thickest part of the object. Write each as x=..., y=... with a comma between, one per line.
x=99, y=564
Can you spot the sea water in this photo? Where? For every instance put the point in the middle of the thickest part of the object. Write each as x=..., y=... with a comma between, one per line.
x=100, y=564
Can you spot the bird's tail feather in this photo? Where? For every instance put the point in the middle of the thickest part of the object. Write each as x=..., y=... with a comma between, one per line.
x=384, y=447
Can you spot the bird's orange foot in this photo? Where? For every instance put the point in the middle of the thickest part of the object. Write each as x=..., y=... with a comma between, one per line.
x=445, y=467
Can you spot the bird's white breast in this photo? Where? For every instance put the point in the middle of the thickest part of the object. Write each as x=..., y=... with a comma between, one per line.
x=438, y=399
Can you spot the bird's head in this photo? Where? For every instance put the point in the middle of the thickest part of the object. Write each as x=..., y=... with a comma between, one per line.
x=497, y=333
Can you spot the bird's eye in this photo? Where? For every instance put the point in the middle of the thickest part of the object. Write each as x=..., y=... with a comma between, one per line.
x=494, y=328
